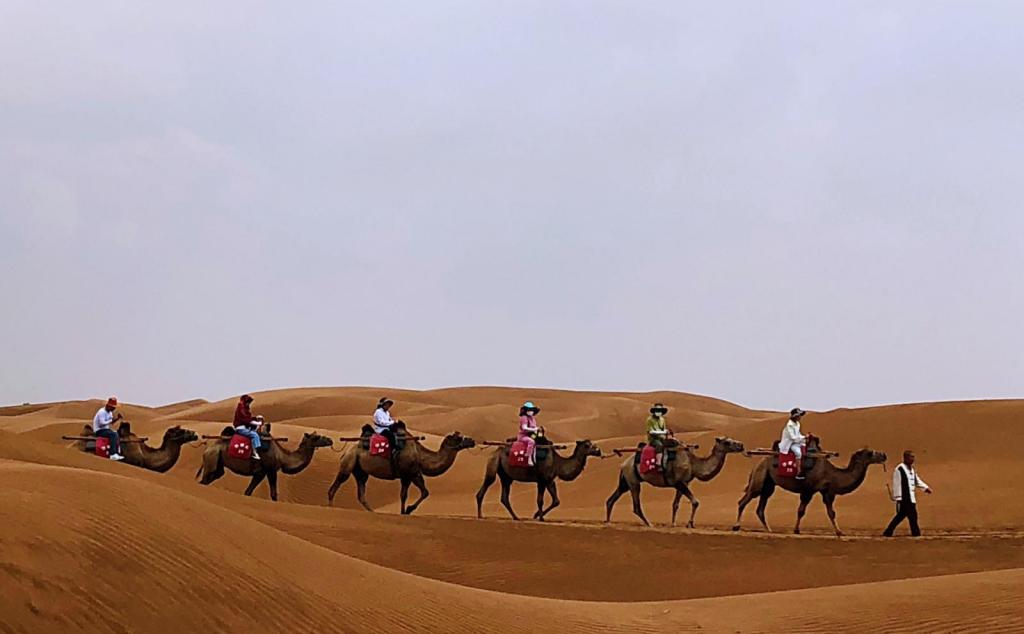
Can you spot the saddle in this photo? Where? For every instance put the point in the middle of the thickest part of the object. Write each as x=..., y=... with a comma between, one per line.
x=785, y=465
x=379, y=444
x=519, y=454
x=240, y=447
x=648, y=459
x=102, y=447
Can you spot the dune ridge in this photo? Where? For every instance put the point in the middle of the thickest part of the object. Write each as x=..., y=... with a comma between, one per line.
x=169, y=555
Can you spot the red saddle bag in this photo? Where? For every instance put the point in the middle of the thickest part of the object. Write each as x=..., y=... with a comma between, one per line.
x=519, y=454
x=102, y=447
x=789, y=466
x=240, y=447
x=379, y=446
x=649, y=460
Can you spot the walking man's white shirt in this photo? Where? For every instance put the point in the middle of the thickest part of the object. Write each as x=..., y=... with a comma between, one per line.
x=792, y=439
x=382, y=420
x=914, y=482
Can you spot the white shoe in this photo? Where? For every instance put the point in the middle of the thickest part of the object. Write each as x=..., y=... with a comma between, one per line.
x=116, y=456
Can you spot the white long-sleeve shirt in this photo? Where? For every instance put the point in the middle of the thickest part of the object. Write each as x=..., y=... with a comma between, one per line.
x=382, y=420
x=913, y=480
x=102, y=420
x=791, y=436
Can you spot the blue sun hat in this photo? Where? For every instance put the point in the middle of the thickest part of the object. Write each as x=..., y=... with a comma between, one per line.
x=530, y=407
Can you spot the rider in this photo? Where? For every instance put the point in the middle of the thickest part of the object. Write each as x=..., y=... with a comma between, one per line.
x=246, y=424
x=101, y=427
x=528, y=430
x=383, y=424
x=658, y=431
x=793, y=440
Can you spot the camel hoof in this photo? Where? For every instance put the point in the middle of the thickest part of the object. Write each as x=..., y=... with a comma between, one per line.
x=839, y=533
x=736, y=528
x=796, y=531
x=690, y=525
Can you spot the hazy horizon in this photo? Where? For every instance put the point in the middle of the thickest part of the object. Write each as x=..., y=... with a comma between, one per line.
x=796, y=204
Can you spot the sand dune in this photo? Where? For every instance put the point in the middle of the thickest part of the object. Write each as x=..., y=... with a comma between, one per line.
x=169, y=555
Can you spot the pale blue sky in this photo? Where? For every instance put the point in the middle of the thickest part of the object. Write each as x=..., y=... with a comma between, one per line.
x=774, y=203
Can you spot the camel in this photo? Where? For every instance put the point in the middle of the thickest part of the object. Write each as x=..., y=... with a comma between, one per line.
x=274, y=458
x=682, y=471
x=824, y=478
x=548, y=469
x=139, y=454
x=413, y=463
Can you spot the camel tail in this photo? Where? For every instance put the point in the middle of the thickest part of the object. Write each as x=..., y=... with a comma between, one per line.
x=200, y=472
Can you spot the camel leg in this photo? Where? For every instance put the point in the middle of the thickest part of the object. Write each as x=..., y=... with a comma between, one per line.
x=211, y=469
x=616, y=494
x=767, y=489
x=422, y=486
x=403, y=495
x=255, y=482
x=361, y=478
x=506, y=487
x=829, y=499
x=681, y=490
x=801, y=510
x=490, y=474
x=489, y=479
x=759, y=485
x=552, y=488
x=272, y=481
x=634, y=490
x=539, y=515
x=339, y=480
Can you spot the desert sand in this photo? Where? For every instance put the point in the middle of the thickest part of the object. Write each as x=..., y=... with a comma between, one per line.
x=95, y=546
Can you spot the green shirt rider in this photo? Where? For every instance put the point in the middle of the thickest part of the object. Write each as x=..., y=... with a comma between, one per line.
x=657, y=427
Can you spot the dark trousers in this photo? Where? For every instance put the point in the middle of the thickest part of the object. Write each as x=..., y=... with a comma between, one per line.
x=111, y=435
x=390, y=435
x=904, y=511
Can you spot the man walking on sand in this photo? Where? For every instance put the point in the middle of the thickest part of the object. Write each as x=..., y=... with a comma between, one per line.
x=905, y=481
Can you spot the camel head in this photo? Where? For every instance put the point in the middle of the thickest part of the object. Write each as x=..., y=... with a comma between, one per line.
x=180, y=435
x=316, y=440
x=728, y=445
x=458, y=442
x=869, y=456
x=587, y=448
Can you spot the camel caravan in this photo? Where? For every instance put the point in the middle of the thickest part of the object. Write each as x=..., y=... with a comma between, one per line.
x=387, y=450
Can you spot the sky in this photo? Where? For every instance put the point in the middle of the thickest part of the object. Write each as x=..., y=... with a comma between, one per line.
x=778, y=204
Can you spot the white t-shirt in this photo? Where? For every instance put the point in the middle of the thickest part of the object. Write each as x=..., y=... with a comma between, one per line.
x=381, y=420
x=102, y=420
x=791, y=435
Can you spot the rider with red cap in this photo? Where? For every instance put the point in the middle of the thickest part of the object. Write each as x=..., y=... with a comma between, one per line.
x=246, y=424
x=101, y=423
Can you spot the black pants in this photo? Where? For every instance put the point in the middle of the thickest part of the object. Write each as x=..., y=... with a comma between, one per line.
x=390, y=435
x=908, y=511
